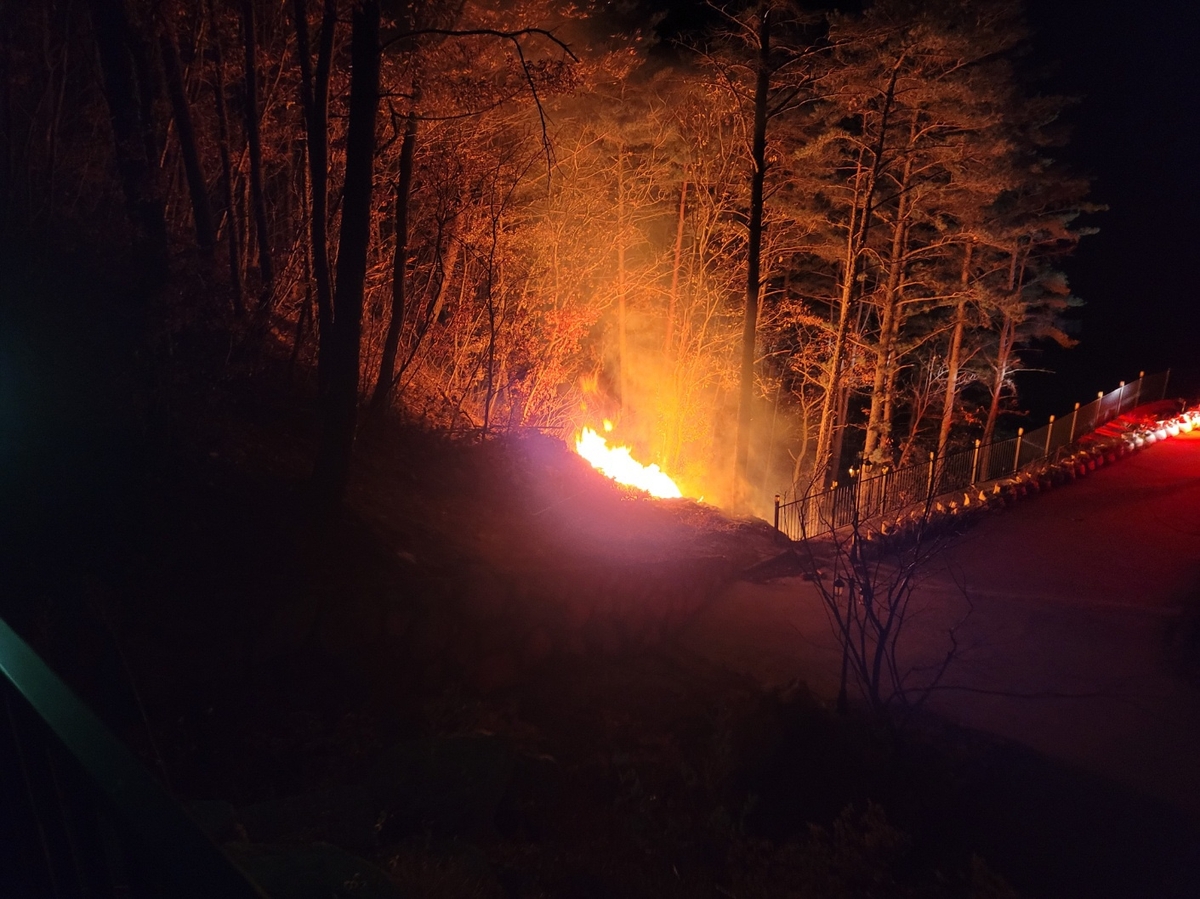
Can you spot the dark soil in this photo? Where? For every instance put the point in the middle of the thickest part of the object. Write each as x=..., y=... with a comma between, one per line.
x=469, y=678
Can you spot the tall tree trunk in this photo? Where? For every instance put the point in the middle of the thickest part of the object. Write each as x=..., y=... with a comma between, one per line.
x=878, y=435
x=1000, y=375
x=758, y=174
x=885, y=356
x=135, y=166
x=622, y=342
x=489, y=293
x=339, y=407
x=839, y=433
x=828, y=419
x=954, y=361
x=258, y=200
x=858, y=229
x=1005, y=344
x=232, y=219
x=181, y=111
x=314, y=99
x=391, y=343
x=922, y=398
x=889, y=390
x=673, y=299
x=448, y=260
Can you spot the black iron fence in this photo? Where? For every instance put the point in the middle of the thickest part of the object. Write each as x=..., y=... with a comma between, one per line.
x=874, y=492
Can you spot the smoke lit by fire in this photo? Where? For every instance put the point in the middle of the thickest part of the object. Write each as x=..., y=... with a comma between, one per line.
x=617, y=462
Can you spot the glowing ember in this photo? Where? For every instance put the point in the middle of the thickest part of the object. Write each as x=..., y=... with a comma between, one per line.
x=617, y=463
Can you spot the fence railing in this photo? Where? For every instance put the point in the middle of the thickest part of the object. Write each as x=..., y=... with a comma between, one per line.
x=871, y=493
x=79, y=815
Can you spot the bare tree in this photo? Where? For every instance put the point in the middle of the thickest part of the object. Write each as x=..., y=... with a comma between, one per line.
x=339, y=405
x=868, y=580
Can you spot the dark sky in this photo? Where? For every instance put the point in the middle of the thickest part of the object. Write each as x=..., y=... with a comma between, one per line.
x=1136, y=68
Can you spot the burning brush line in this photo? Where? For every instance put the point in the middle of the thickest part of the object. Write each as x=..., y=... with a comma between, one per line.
x=617, y=462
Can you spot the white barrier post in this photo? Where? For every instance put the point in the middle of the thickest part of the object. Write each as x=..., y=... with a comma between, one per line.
x=1074, y=416
x=1017, y=454
x=1049, y=434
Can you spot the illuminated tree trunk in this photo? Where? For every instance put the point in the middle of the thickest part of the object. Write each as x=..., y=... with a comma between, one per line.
x=889, y=390
x=885, y=352
x=1005, y=344
x=1003, y=358
x=758, y=173
x=954, y=360
x=1000, y=374
x=449, y=261
x=672, y=302
x=857, y=230
x=622, y=344
x=339, y=406
x=258, y=200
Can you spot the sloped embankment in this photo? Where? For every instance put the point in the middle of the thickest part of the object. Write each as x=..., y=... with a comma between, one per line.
x=520, y=552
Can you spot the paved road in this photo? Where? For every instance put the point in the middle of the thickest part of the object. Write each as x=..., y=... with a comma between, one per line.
x=1084, y=639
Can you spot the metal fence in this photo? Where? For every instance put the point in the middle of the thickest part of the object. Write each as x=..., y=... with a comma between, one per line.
x=871, y=493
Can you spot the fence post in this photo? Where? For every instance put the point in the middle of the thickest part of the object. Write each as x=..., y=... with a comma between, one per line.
x=1121, y=398
x=1049, y=434
x=1099, y=409
x=1074, y=417
x=777, y=512
x=930, y=488
x=1166, y=380
x=1017, y=455
x=1137, y=394
x=975, y=464
x=855, y=494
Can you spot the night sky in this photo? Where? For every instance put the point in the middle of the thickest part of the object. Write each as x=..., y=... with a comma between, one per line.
x=1136, y=69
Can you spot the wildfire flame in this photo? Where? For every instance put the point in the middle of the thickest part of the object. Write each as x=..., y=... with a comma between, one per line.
x=617, y=462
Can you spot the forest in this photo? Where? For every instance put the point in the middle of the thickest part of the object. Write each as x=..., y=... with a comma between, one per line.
x=786, y=242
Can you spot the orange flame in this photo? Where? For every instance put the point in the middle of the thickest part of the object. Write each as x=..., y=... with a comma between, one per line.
x=617, y=462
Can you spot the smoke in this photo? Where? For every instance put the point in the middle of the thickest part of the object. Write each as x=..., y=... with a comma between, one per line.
x=679, y=409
